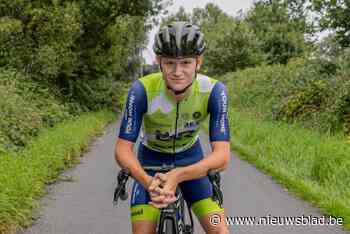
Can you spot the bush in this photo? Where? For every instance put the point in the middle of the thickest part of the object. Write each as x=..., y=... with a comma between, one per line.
x=25, y=107
x=100, y=94
x=313, y=92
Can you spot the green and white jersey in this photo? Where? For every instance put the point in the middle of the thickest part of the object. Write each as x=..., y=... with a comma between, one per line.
x=169, y=126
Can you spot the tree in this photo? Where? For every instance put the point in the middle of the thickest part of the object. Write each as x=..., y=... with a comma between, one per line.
x=180, y=15
x=280, y=29
x=78, y=48
x=231, y=44
x=334, y=15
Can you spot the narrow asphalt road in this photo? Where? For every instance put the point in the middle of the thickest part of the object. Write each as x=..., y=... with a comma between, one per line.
x=84, y=205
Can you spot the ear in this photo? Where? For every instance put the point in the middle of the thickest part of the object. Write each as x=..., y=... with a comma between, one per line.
x=199, y=62
x=158, y=60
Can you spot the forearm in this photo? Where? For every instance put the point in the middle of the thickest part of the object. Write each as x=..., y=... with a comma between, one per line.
x=127, y=159
x=214, y=161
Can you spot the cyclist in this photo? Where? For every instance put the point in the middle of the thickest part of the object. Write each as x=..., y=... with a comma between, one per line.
x=169, y=107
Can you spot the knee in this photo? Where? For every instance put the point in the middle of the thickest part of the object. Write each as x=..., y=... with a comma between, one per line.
x=143, y=227
x=219, y=230
x=144, y=231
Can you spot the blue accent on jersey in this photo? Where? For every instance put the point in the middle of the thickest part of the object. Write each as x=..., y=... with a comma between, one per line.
x=218, y=109
x=148, y=157
x=136, y=106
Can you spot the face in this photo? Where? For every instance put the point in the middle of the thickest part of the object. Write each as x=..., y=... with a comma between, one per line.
x=179, y=72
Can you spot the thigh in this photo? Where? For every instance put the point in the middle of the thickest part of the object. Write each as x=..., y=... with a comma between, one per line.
x=141, y=212
x=198, y=195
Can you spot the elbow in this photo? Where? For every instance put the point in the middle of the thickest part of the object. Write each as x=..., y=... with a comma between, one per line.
x=120, y=151
x=223, y=154
x=117, y=154
x=226, y=159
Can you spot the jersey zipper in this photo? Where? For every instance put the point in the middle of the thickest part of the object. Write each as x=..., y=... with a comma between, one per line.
x=176, y=119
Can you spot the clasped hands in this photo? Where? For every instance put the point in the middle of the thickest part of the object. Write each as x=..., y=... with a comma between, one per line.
x=162, y=188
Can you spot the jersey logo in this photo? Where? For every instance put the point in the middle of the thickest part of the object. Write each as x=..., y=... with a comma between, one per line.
x=196, y=115
x=130, y=113
x=160, y=103
x=166, y=136
x=224, y=112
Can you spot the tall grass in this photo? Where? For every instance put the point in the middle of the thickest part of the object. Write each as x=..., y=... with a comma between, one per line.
x=314, y=166
x=24, y=175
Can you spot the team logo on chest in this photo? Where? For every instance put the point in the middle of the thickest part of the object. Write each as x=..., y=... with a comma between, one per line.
x=196, y=115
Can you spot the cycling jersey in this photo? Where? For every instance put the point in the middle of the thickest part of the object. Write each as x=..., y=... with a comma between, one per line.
x=169, y=126
x=169, y=135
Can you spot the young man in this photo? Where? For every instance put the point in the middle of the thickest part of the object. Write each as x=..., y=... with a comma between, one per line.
x=170, y=106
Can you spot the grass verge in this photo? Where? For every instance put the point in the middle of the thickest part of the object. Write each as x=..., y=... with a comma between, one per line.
x=24, y=175
x=313, y=166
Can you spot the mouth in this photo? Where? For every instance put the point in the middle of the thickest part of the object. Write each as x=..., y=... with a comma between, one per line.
x=177, y=79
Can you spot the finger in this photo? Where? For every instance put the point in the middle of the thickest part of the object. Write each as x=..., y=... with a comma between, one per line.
x=159, y=190
x=158, y=205
x=155, y=183
x=161, y=176
x=167, y=192
x=154, y=194
x=169, y=199
x=158, y=199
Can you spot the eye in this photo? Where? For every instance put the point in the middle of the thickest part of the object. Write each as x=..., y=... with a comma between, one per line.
x=187, y=62
x=168, y=62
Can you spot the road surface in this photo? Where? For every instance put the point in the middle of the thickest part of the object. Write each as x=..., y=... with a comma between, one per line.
x=84, y=205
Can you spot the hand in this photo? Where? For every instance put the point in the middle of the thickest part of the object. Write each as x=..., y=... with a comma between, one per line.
x=164, y=194
x=171, y=181
x=154, y=186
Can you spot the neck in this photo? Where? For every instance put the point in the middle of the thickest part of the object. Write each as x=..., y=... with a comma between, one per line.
x=179, y=97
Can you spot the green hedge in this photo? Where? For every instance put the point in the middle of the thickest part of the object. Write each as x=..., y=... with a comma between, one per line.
x=313, y=92
x=26, y=107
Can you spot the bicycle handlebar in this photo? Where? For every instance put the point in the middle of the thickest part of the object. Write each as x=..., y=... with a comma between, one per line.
x=124, y=175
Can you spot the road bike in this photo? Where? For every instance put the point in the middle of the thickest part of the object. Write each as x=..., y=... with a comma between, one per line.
x=172, y=219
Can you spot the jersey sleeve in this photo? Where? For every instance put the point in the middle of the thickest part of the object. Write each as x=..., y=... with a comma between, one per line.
x=135, y=107
x=218, y=110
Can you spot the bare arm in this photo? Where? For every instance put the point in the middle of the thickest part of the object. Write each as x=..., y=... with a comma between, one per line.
x=126, y=158
x=218, y=159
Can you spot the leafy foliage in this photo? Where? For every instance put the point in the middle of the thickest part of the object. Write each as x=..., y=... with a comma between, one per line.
x=334, y=15
x=280, y=29
x=61, y=57
x=231, y=44
x=72, y=45
x=307, y=91
x=271, y=32
x=26, y=108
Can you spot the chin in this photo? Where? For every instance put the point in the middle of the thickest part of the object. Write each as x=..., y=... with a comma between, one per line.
x=178, y=88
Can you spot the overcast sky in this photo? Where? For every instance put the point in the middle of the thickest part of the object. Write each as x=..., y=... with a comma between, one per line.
x=231, y=7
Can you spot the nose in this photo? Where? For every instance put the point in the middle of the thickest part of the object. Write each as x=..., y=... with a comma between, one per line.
x=176, y=69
